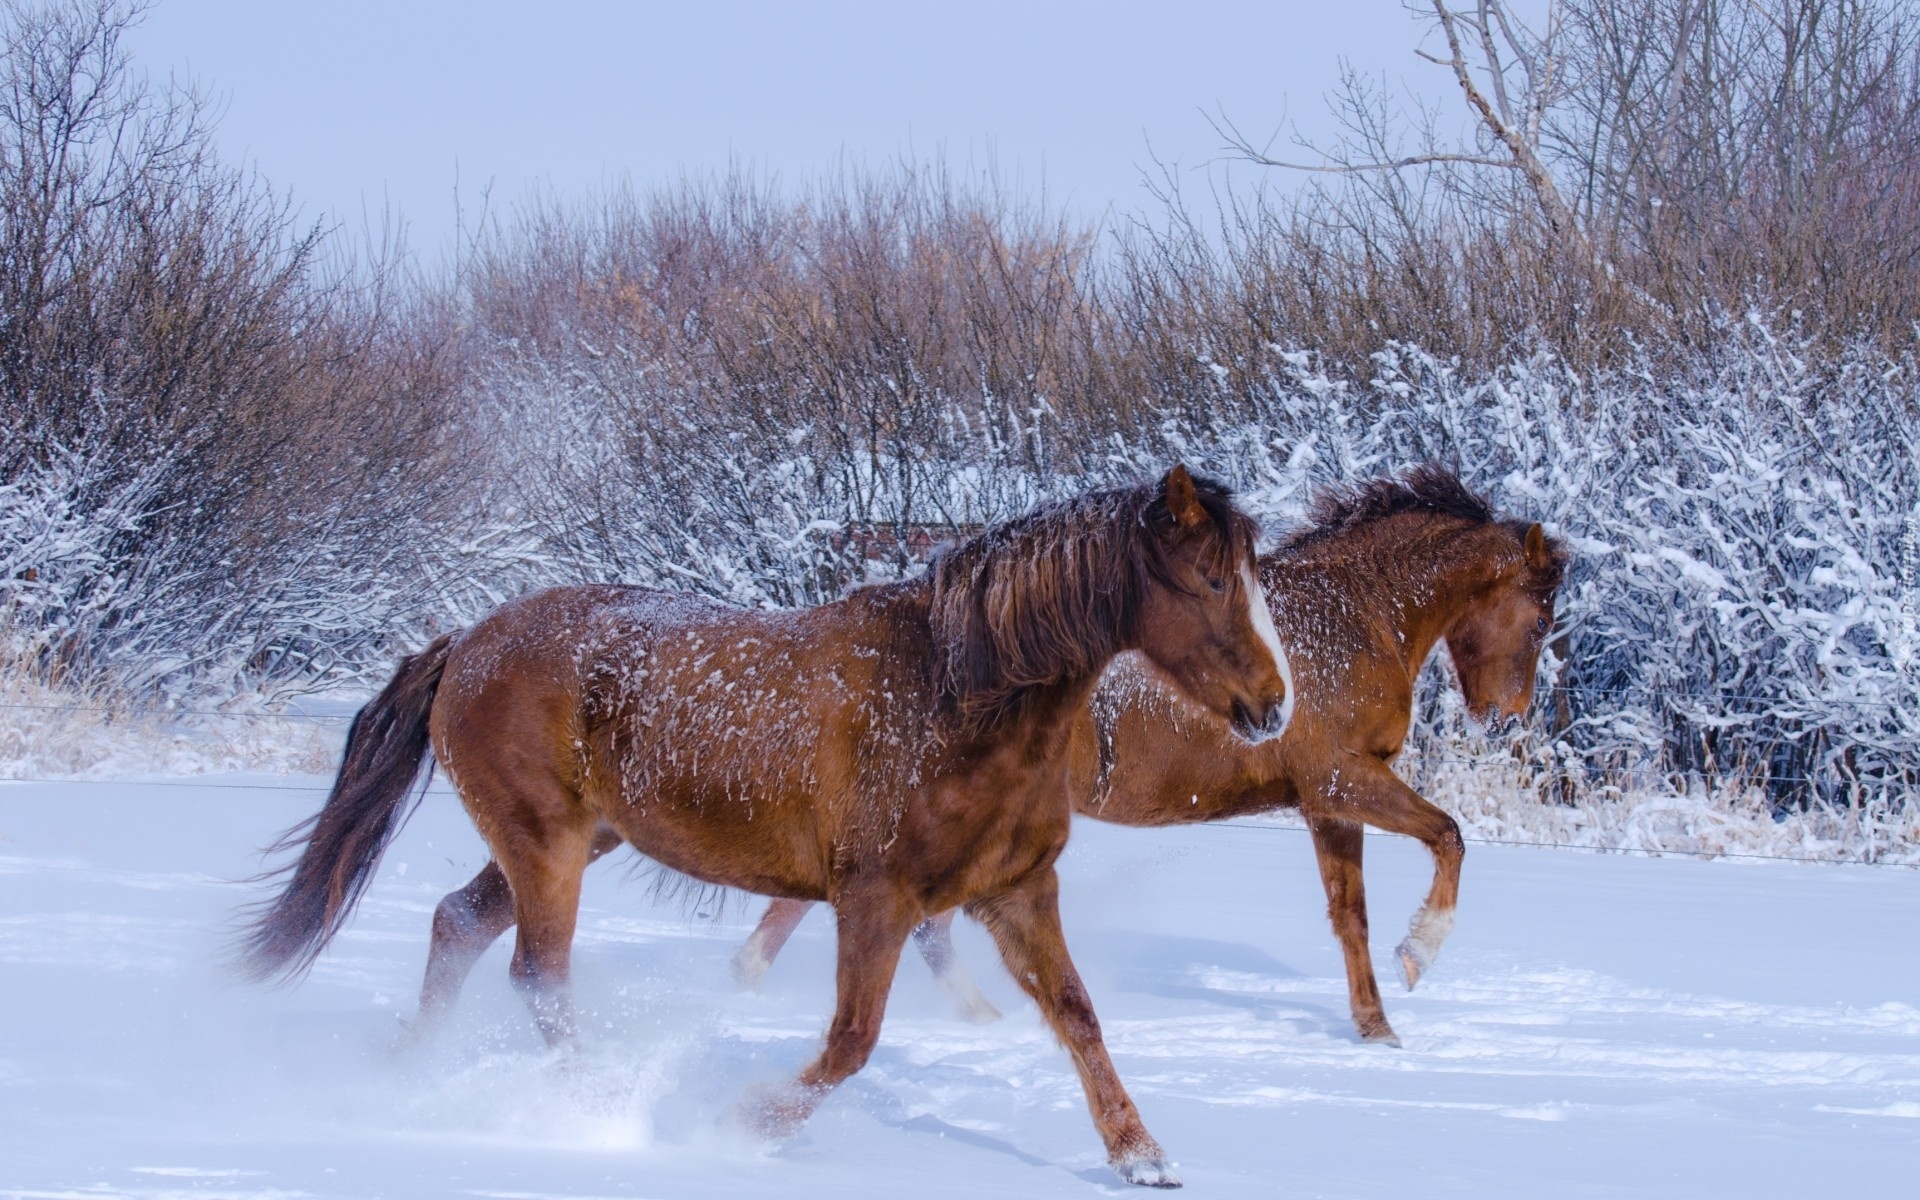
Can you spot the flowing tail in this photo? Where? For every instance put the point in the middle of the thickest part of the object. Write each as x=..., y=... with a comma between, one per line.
x=340, y=845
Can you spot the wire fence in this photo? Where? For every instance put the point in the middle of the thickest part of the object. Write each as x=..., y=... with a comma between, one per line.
x=1544, y=695
x=1543, y=772
x=1269, y=826
x=1655, y=692
x=150, y=713
x=1608, y=774
x=1640, y=850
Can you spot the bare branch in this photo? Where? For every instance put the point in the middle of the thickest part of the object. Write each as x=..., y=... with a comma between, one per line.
x=1490, y=52
x=1356, y=168
x=1243, y=147
x=1560, y=217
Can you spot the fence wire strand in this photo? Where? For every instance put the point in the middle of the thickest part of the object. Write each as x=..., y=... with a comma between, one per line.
x=1272, y=826
x=1657, y=694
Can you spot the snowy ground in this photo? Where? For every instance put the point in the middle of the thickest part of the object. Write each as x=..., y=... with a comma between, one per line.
x=1599, y=1026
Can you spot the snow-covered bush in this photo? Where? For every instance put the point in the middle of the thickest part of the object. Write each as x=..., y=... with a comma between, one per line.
x=107, y=585
x=221, y=430
x=616, y=477
x=61, y=579
x=1740, y=614
x=1742, y=606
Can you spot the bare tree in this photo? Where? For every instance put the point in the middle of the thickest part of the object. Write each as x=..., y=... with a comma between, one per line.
x=1676, y=159
x=1510, y=76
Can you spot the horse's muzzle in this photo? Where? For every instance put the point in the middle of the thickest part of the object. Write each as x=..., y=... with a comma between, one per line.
x=1494, y=721
x=1263, y=728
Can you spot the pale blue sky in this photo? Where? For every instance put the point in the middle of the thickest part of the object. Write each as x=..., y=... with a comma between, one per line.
x=351, y=102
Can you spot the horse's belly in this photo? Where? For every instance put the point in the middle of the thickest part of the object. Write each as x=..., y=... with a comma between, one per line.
x=758, y=867
x=959, y=850
x=1193, y=789
x=757, y=839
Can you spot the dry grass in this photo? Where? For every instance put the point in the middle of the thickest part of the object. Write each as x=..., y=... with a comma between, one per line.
x=1500, y=800
x=72, y=729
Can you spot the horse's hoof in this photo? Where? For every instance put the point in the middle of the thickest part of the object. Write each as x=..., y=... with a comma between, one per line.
x=749, y=967
x=1414, y=961
x=978, y=1010
x=413, y=1038
x=965, y=995
x=767, y=1119
x=776, y=1111
x=1146, y=1171
x=1381, y=1035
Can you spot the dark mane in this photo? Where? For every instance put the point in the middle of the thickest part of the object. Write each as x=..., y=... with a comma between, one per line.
x=1052, y=596
x=1427, y=488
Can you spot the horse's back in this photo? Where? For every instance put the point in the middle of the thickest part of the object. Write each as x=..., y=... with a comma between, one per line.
x=726, y=742
x=690, y=726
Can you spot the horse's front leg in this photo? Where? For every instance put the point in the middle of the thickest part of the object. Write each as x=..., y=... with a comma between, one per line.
x=1369, y=791
x=1337, y=844
x=874, y=923
x=1025, y=923
x=934, y=936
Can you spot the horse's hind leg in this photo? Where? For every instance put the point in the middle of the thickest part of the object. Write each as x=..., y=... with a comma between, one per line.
x=1026, y=925
x=756, y=954
x=468, y=921
x=1337, y=844
x=546, y=906
x=542, y=838
x=874, y=924
x=465, y=923
x=934, y=936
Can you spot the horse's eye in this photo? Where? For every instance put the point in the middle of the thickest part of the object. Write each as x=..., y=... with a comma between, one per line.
x=1543, y=626
x=1216, y=584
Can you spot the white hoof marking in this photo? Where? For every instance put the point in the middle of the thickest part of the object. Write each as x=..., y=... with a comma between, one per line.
x=750, y=964
x=1413, y=960
x=1147, y=1172
x=961, y=989
x=1421, y=946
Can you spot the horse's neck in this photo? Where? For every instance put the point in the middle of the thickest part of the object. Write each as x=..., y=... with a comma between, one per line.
x=1430, y=584
x=1042, y=713
x=1046, y=713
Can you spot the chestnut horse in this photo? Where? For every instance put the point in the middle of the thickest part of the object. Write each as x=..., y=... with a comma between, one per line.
x=899, y=752
x=1361, y=596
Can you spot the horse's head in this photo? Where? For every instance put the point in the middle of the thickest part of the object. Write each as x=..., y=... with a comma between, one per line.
x=1496, y=642
x=1203, y=618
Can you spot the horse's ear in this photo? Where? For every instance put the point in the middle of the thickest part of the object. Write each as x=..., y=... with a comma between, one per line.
x=1537, y=554
x=1182, y=501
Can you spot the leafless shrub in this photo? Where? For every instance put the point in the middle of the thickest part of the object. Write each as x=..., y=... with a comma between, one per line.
x=172, y=334
x=878, y=355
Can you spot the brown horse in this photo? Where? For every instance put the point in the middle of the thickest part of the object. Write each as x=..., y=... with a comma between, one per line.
x=1361, y=596
x=897, y=753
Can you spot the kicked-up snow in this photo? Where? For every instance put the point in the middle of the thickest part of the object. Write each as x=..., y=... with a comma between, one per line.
x=1597, y=1026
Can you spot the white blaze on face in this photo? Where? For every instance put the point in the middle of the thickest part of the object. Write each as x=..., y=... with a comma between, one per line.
x=1263, y=625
